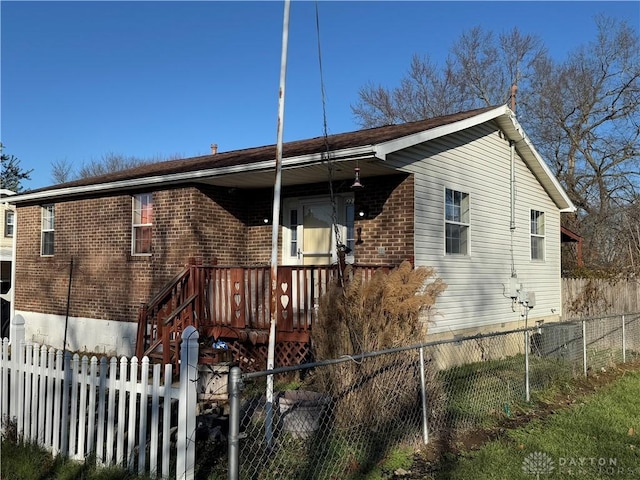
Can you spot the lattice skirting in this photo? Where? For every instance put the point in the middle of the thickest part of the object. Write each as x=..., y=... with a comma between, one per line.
x=253, y=358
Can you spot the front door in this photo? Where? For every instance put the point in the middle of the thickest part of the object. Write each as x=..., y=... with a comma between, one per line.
x=317, y=234
x=309, y=236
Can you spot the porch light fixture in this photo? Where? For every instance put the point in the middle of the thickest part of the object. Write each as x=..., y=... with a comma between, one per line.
x=362, y=213
x=265, y=220
x=356, y=182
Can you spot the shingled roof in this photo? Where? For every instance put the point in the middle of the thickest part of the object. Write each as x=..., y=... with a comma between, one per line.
x=254, y=167
x=248, y=156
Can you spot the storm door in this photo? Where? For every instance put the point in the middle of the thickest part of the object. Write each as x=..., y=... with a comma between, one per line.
x=310, y=237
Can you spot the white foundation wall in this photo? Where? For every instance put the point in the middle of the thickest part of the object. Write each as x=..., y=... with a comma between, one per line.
x=91, y=335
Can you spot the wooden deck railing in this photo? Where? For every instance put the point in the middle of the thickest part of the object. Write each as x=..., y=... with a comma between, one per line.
x=233, y=302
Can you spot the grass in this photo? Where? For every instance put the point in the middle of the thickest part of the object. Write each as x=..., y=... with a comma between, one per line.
x=595, y=438
x=26, y=461
x=30, y=462
x=481, y=394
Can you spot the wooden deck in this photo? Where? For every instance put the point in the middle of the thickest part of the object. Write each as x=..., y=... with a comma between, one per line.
x=233, y=304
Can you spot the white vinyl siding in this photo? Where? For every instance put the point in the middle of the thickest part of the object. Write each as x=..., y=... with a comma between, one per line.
x=477, y=162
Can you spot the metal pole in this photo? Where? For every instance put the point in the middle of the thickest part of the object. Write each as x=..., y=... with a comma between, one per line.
x=12, y=298
x=526, y=366
x=66, y=319
x=584, y=347
x=275, y=222
x=423, y=389
x=624, y=342
x=234, y=385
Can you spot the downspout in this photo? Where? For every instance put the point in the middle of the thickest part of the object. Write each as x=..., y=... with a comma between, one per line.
x=512, y=201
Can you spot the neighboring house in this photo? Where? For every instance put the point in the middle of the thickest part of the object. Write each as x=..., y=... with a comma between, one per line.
x=465, y=193
x=7, y=216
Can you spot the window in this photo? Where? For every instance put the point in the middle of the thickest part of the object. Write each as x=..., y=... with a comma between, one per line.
x=48, y=217
x=537, y=235
x=293, y=223
x=456, y=222
x=142, y=222
x=9, y=217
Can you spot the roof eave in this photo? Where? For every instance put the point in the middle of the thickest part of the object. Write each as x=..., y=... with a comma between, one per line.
x=384, y=148
x=53, y=194
x=504, y=115
x=536, y=163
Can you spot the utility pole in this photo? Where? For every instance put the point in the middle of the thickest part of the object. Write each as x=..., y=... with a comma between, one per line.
x=275, y=223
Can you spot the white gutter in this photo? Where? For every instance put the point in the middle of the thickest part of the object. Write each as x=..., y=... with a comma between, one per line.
x=543, y=166
x=129, y=184
x=383, y=149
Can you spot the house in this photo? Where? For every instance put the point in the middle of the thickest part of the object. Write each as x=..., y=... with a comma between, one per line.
x=7, y=216
x=465, y=193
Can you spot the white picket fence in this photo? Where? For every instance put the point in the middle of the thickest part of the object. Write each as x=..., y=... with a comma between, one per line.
x=124, y=412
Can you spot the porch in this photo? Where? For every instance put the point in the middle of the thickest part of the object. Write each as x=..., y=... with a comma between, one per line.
x=231, y=305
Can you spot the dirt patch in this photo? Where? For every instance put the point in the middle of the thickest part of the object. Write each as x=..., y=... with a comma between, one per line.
x=438, y=455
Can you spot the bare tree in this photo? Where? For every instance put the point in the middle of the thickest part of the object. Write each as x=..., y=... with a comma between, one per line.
x=478, y=72
x=424, y=92
x=585, y=120
x=583, y=114
x=63, y=171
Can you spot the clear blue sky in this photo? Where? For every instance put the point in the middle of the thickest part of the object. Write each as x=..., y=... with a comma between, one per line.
x=83, y=79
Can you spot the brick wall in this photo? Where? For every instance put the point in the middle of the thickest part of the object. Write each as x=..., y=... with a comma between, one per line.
x=108, y=282
x=209, y=223
x=387, y=232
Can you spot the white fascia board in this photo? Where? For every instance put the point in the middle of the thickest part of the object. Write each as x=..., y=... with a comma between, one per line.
x=157, y=180
x=540, y=167
x=385, y=148
x=336, y=155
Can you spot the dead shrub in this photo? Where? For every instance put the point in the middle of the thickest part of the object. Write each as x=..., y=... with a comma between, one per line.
x=367, y=316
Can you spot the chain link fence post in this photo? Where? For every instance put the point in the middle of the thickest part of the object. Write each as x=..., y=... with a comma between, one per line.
x=526, y=366
x=624, y=342
x=234, y=387
x=584, y=347
x=423, y=390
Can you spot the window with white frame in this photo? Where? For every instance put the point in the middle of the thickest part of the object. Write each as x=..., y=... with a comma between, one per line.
x=537, y=235
x=456, y=222
x=9, y=221
x=47, y=236
x=293, y=235
x=142, y=224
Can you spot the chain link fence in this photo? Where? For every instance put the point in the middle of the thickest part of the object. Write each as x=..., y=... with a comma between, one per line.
x=347, y=417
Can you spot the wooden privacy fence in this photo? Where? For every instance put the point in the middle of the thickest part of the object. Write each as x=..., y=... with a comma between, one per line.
x=589, y=297
x=123, y=412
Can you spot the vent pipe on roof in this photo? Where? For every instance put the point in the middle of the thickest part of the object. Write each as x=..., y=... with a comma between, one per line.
x=214, y=148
